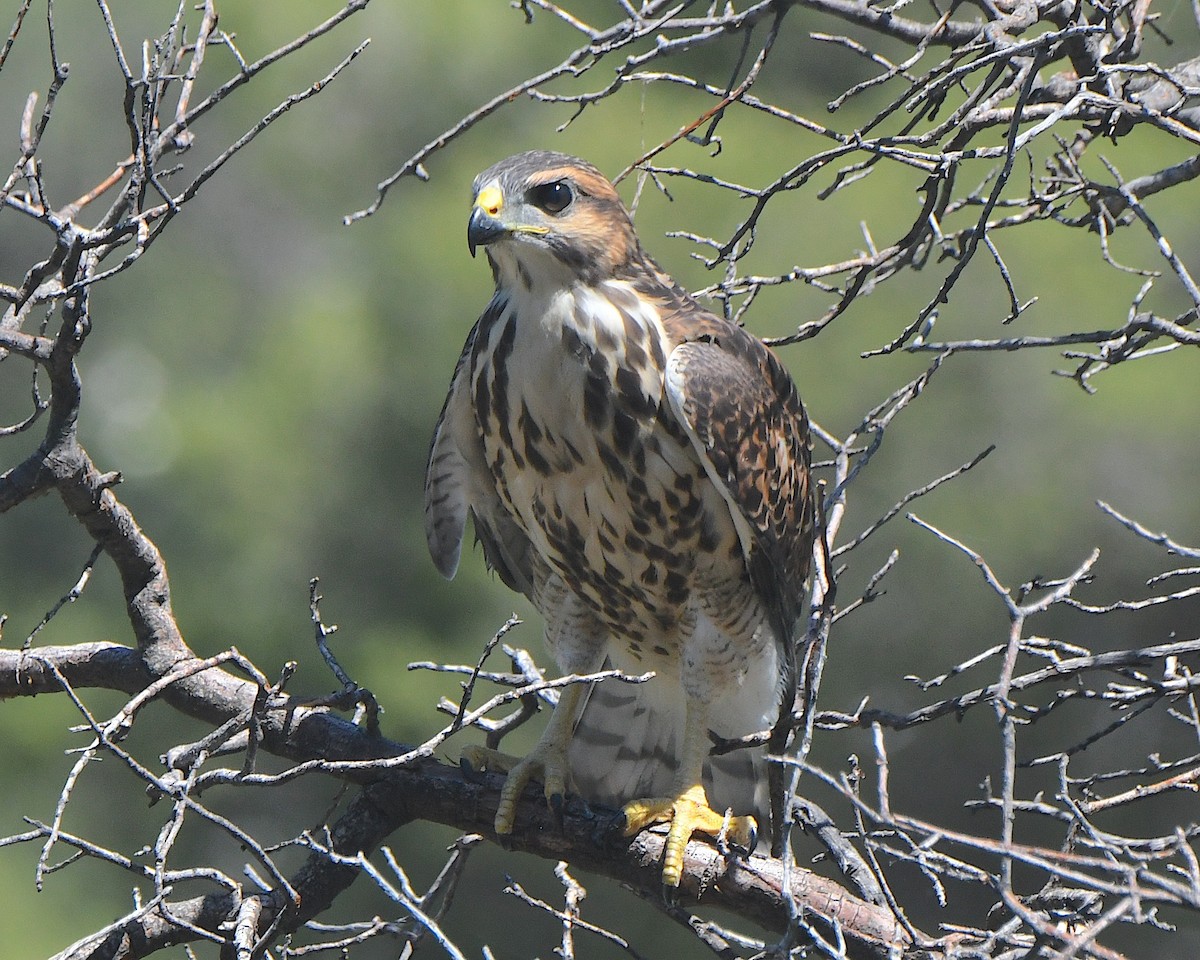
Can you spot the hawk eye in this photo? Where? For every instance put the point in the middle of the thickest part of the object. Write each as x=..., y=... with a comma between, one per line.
x=552, y=197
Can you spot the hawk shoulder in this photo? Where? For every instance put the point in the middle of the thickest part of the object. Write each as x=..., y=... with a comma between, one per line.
x=741, y=410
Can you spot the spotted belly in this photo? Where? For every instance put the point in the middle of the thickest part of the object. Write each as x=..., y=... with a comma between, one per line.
x=590, y=463
x=631, y=532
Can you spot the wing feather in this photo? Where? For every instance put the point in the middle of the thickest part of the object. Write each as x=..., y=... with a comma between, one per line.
x=458, y=482
x=741, y=410
x=447, y=472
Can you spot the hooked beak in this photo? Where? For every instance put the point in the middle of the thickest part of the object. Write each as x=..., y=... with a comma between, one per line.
x=485, y=225
x=482, y=229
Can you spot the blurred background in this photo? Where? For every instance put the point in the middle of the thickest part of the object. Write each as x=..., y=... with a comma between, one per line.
x=266, y=380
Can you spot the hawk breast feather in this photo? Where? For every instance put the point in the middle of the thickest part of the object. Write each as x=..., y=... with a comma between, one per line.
x=738, y=407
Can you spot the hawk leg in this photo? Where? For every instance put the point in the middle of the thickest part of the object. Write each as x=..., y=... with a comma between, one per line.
x=688, y=810
x=547, y=761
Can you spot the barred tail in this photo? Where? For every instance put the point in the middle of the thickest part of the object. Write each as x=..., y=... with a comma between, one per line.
x=626, y=746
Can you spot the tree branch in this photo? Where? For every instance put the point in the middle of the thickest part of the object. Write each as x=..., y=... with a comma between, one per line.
x=588, y=838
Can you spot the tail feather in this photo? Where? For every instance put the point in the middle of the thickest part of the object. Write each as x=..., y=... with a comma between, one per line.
x=626, y=746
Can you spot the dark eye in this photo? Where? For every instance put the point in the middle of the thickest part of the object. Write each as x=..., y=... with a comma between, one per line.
x=552, y=197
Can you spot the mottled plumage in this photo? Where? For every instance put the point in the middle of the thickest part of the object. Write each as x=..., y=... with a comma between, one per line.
x=638, y=467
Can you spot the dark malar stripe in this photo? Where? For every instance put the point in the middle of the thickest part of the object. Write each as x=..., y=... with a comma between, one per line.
x=595, y=399
x=500, y=413
x=480, y=345
x=483, y=403
x=625, y=431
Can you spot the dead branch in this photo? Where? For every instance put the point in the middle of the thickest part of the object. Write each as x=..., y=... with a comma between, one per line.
x=990, y=114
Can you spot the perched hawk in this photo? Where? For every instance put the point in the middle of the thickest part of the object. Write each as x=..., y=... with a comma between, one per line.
x=638, y=467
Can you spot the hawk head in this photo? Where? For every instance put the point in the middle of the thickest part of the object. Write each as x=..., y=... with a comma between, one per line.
x=546, y=214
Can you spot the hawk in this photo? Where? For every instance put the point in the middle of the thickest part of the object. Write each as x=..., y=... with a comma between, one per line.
x=638, y=467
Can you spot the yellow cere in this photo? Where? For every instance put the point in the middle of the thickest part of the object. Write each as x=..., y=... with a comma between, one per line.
x=490, y=200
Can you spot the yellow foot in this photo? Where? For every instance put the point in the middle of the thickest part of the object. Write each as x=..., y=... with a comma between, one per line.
x=543, y=764
x=688, y=813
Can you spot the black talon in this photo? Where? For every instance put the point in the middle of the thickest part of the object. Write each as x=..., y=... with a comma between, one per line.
x=558, y=808
x=470, y=774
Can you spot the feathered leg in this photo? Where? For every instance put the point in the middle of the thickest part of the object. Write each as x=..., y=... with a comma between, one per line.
x=577, y=643
x=687, y=808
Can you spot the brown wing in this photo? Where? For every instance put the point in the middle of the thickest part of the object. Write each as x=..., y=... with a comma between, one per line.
x=746, y=421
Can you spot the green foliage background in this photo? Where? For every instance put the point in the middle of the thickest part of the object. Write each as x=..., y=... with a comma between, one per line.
x=266, y=380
